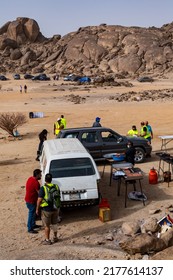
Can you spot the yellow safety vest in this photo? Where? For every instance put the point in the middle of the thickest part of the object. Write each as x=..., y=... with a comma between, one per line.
x=63, y=121
x=148, y=134
x=46, y=187
x=132, y=132
x=57, y=128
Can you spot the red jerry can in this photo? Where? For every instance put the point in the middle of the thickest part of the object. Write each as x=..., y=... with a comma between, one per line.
x=104, y=203
x=153, y=177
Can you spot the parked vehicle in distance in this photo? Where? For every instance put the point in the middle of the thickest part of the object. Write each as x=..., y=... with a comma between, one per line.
x=101, y=140
x=75, y=78
x=73, y=169
x=41, y=77
x=145, y=79
x=16, y=76
x=72, y=78
x=84, y=80
x=28, y=76
x=3, y=78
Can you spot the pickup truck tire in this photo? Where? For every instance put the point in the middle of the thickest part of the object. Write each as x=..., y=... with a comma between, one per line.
x=140, y=155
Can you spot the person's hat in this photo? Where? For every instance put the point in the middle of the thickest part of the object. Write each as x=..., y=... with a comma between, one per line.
x=97, y=119
x=58, y=119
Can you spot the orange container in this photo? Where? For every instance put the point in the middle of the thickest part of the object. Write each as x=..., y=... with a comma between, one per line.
x=153, y=177
x=104, y=210
x=104, y=214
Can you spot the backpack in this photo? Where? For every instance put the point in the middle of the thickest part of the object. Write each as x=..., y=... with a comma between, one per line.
x=53, y=196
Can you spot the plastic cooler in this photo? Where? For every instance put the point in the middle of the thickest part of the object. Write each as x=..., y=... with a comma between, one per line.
x=118, y=157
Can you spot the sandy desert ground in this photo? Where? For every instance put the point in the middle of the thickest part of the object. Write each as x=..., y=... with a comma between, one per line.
x=82, y=234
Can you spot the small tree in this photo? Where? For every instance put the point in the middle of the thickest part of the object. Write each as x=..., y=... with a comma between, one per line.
x=10, y=121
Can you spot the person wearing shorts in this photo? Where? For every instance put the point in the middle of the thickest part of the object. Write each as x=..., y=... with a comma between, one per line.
x=49, y=214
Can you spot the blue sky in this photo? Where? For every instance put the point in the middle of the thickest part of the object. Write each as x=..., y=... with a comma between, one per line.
x=64, y=16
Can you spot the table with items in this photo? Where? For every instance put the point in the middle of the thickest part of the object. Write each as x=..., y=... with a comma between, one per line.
x=123, y=171
x=111, y=159
x=129, y=175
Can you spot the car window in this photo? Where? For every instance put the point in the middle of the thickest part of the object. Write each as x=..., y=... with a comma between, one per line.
x=71, y=167
x=89, y=137
x=71, y=135
x=109, y=137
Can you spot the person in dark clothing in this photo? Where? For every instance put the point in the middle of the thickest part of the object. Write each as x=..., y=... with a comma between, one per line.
x=97, y=122
x=25, y=88
x=42, y=137
x=130, y=153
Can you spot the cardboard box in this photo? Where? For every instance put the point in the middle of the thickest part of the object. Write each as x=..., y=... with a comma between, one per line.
x=104, y=214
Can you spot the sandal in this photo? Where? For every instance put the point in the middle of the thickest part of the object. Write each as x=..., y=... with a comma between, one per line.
x=47, y=242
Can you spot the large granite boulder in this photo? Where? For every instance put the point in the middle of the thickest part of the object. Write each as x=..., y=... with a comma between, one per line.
x=21, y=30
x=92, y=50
x=143, y=243
x=31, y=30
x=15, y=54
x=4, y=28
x=7, y=42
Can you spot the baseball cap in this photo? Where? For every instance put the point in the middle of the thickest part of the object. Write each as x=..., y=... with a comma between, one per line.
x=97, y=119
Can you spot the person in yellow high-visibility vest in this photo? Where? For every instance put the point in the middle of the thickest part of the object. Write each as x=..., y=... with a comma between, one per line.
x=58, y=126
x=63, y=121
x=49, y=201
x=144, y=132
x=133, y=131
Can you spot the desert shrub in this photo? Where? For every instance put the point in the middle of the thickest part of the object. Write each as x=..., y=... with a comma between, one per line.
x=11, y=121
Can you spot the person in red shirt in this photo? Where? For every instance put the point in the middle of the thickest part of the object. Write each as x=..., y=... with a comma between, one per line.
x=32, y=189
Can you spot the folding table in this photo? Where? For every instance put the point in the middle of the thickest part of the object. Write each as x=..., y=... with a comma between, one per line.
x=165, y=140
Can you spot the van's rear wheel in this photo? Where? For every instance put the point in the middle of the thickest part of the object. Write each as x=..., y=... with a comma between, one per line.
x=139, y=155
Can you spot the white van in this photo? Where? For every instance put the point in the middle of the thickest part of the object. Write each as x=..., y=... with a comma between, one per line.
x=73, y=169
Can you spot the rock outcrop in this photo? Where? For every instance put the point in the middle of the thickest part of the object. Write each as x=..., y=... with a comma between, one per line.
x=91, y=50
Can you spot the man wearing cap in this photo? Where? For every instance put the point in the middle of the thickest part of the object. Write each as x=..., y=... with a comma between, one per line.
x=97, y=122
x=31, y=196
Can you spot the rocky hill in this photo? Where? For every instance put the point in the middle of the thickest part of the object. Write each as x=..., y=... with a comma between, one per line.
x=91, y=50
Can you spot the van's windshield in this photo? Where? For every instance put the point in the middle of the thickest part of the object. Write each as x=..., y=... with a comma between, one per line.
x=71, y=167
